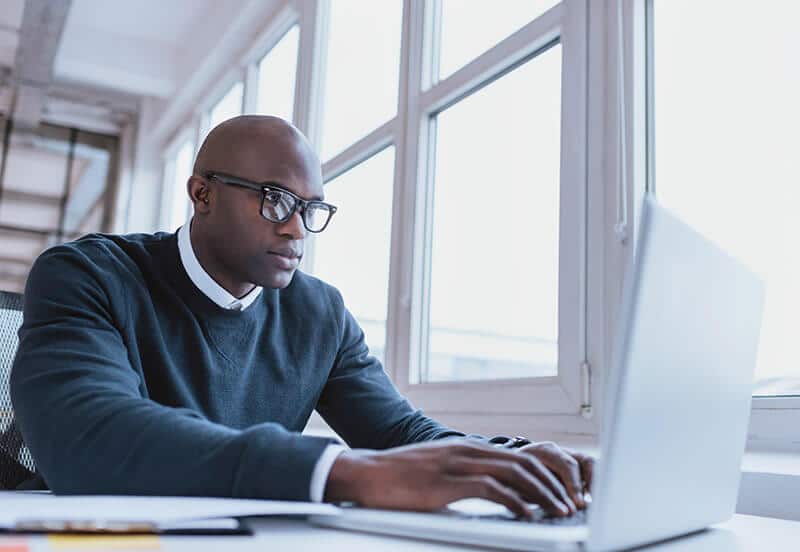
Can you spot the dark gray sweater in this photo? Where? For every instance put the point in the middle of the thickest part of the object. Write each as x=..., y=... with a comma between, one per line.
x=129, y=380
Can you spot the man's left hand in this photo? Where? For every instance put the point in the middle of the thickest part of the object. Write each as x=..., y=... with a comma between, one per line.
x=574, y=469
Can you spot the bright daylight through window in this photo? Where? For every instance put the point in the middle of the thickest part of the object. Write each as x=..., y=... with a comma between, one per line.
x=229, y=106
x=276, y=77
x=494, y=267
x=726, y=115
x=361, y=75
x=353, y=253
x=470, y=28
x=180, y=168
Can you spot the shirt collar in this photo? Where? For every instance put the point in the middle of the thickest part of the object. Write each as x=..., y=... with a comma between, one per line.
x=206, y=283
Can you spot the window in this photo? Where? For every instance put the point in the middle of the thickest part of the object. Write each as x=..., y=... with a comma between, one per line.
x=470, y=28
x=363, y=57
x=725, y=116
x=453, y=140
x=353, y=252
x=494, y=274
x=276, y=77
x=177, y=171
x=229, y=106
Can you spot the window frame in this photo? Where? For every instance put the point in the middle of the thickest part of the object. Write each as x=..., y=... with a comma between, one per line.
x=557, y=398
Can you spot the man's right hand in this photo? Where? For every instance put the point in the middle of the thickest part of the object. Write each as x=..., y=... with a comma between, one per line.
x=428, y=476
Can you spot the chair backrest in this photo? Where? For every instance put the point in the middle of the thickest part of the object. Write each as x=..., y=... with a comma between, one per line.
x=16, y=462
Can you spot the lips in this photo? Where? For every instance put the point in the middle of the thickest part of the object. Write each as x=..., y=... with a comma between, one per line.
x=286, y=258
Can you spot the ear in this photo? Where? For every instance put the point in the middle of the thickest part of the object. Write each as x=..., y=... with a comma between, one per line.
x=199, y=193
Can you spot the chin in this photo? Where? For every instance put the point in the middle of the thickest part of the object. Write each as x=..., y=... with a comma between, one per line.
x=278, y=280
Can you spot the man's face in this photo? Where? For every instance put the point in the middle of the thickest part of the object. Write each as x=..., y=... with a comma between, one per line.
x=249, y=246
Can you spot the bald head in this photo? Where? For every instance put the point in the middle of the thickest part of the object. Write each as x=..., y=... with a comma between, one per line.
x=251, y=142
x=236, y=245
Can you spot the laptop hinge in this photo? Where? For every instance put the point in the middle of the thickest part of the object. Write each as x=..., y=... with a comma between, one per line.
x=586, y=389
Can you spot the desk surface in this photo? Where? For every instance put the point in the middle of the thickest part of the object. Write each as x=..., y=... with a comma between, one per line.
x=741, y=534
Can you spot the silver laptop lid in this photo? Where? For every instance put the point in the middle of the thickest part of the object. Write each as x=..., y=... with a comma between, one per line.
x=678, y=397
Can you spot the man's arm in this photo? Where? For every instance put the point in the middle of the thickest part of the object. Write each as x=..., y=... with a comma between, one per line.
x=362, y=404
x=82, y=412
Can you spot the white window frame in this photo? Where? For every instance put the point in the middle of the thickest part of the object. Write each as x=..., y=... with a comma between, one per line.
x=773, y=420
x=514, y=401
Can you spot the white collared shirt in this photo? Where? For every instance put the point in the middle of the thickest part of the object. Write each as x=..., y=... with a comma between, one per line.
x=206, y=283
x=224, y=299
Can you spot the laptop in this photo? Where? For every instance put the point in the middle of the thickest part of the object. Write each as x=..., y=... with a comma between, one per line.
x=676, y=416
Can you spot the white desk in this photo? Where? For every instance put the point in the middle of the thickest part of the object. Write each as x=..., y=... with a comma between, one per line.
x=741, y=534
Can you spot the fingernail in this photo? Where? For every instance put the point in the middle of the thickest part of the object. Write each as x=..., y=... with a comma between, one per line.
x=563, y=509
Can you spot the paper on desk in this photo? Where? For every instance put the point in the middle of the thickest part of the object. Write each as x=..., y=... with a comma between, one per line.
x=16, y=507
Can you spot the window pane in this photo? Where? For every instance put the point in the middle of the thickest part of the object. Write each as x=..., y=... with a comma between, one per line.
x=471, y=28
x=726, y=120
x=494, y=279
x=93, y=158
x=180, y=175
x=362, y=70
x=364, y=198
x=229, y=106
x=276, y=75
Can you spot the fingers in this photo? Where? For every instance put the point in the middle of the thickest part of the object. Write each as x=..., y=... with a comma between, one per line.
x=485, y=486
x=565, y=466
x=516, y=476
x=587, y=468
x=529, y=462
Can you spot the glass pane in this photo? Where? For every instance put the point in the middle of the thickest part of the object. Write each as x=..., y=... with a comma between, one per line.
x=364, y=198
x=93, y=158
x=181, y=172
x=362, y=70
x=276, y=75
x=470, y=28
x=494, y=273
x=726, y=120
x=229, y=106
x=34, y=184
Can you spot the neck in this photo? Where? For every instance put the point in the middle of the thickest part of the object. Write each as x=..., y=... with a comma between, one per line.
x=213, y=266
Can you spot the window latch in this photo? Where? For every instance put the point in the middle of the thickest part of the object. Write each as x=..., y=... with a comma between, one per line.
x=586, y=387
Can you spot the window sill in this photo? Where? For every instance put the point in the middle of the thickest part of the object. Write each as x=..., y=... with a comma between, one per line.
x=770, y=484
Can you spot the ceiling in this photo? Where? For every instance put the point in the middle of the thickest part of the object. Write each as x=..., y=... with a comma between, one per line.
x=137, y=47
x=84, y=64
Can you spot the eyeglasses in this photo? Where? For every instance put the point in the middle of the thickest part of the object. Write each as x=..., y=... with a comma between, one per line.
x=278, y=205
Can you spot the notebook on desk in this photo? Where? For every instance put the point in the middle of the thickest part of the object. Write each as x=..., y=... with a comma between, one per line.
x=678, y=403
x=137, y=515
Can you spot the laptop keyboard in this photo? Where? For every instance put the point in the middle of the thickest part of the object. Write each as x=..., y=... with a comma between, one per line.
x=578, y=518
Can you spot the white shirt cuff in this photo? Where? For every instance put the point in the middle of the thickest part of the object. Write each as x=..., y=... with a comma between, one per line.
x=319, y=477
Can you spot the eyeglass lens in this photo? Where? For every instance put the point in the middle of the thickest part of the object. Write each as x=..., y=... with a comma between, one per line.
x=279, y=205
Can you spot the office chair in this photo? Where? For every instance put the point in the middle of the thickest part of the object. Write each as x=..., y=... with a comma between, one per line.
x=16, y=462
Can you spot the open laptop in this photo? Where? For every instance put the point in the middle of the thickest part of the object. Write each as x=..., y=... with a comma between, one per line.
x=676, y=416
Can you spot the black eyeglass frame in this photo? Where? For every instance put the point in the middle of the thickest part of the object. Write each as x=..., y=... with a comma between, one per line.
x=264, y=187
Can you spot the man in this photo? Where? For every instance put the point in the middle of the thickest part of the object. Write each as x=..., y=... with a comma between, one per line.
x=188, y=363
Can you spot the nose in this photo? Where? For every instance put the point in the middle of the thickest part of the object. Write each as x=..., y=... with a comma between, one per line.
x=293, y=228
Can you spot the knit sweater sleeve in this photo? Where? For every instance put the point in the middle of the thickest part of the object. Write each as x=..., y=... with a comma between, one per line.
x=83, y=410
x=362, y=404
